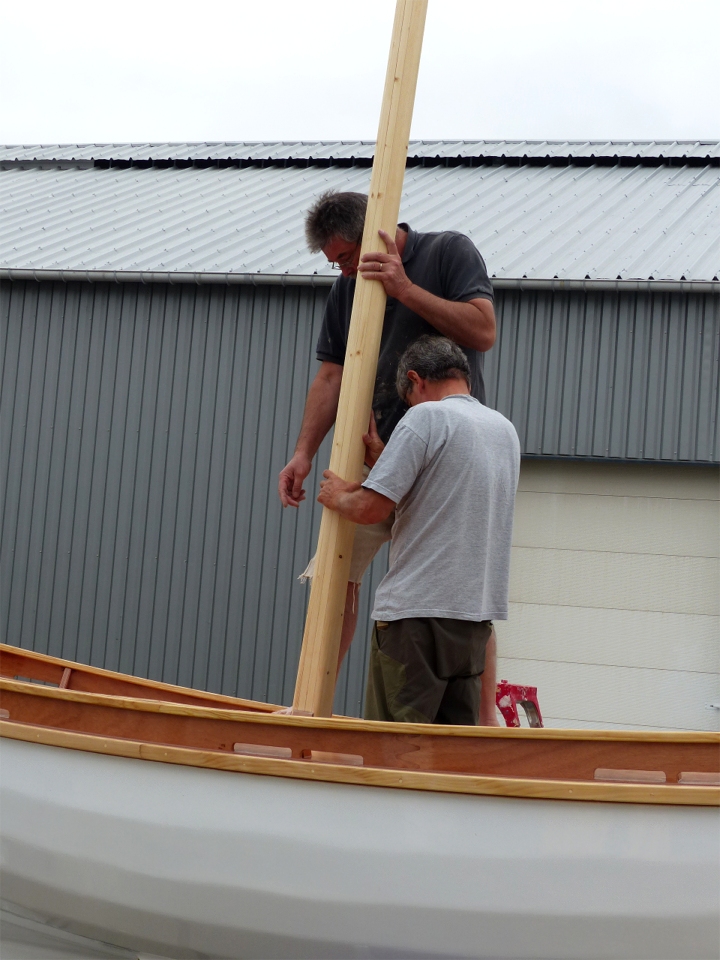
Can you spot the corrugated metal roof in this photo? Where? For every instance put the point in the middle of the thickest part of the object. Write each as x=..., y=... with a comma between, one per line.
x=538, y=222
x=357, y=149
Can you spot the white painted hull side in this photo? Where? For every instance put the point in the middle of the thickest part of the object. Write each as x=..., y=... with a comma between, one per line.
x=189, y=862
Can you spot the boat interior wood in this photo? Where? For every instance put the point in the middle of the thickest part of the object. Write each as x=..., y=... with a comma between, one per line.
x=514, y=787
x=488, y=751
x=42, y=668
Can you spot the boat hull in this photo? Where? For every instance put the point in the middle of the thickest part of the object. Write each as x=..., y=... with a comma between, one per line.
x=190, y=862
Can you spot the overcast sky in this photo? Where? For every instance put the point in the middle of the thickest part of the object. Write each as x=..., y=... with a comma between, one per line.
x=153, y=70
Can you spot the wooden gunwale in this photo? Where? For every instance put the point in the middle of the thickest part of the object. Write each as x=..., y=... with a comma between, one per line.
x=337, y=723
x=40, y=666
x=511, y=787
x=540, y=756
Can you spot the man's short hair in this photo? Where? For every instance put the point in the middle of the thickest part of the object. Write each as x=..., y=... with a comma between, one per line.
x=335, y=214
x=434, y=359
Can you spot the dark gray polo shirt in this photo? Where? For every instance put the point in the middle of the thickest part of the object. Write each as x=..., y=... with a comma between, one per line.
x=446, y=264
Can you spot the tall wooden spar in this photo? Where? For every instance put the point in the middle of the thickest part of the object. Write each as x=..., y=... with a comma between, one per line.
x=315, y=686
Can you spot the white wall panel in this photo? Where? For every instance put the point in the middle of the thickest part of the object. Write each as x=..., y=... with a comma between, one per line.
x=610, y=580
x=624, y=638
x=633, y=524
x=628, y=696
x=621, y=479
x=614, y=595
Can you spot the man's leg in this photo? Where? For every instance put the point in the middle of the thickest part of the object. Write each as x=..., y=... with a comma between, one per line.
x=376, y=705
x=426, y=670
x=402, y=684
x=488, y=713
x=461, y=656
x=368, y=540
x=349, y=621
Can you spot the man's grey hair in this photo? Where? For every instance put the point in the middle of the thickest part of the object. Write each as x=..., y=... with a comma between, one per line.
x=335, y=214
x=434, y=359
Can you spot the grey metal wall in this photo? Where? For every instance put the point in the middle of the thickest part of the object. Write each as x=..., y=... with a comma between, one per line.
x=628, y=376
x=143, y=428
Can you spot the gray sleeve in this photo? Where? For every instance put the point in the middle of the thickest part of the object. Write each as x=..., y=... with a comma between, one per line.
x=332, y=339
x=463, y=271
x=399, y=465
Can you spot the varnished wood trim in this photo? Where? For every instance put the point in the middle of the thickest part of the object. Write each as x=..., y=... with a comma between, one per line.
x=365, y=726
x=263, y=750
x=155, y=688
x=630, y=776
x=329, y=756
x=369, y=776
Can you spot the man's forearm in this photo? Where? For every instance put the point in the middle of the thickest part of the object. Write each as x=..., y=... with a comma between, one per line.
x=320, y=410
x=470, y=325
x=363, y=506
x=352, y=501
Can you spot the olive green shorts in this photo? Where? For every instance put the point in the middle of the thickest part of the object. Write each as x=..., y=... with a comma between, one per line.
x=426, y=670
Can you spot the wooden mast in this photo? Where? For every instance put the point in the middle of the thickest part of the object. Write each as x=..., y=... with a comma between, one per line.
x=315, y=686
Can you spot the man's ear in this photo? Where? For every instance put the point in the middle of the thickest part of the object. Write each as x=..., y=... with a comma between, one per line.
x=415, y=381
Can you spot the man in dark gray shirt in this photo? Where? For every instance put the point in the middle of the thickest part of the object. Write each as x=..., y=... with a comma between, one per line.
x=436, y=283
x=447, y=265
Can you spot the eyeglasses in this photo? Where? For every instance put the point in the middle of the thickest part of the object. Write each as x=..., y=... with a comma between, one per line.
x=346, y=261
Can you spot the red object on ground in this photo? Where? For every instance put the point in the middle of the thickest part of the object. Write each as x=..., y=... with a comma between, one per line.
x=509, y=695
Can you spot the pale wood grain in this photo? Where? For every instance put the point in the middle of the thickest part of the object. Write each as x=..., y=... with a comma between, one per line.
x=315, y=686
x=630, y=776
x=263, y=750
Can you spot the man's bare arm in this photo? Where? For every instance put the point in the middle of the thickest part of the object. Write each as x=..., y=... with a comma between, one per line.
x=319, y=416
x=470, y=324
x=353, y=501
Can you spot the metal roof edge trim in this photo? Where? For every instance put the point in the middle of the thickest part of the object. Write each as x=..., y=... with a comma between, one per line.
x=323, y=280
x=636, y=151
x=628, y=286
x=640, y=461
x=164, y=276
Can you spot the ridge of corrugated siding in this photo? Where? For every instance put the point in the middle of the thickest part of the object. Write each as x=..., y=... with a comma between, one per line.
x=624, y=376
x=144, y=427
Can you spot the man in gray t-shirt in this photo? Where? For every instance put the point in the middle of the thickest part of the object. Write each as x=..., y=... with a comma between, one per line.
x=450, y=469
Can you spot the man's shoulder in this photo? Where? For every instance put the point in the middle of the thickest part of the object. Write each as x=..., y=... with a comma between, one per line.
x=340, y=297
x=455, y=257
x=462, y=408
x=440, y=239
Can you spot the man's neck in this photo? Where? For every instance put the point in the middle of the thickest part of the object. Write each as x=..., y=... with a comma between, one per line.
x=438, y=390
x=448, y=388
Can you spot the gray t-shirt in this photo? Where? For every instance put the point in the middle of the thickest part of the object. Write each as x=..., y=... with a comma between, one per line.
x=446, y=264
x=452, y=467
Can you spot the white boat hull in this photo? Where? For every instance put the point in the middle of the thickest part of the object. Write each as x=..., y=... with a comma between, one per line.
x=190, y=862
